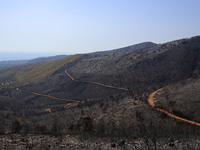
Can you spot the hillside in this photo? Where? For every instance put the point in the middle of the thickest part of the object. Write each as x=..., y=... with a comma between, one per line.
x=127, y=49
x=182, y=99
x=141, y=69
x=44, y=59
x=31, y=73
x=106, y=95
x=13, y=63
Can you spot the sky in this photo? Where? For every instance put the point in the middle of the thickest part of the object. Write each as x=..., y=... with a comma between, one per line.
x=83, y=26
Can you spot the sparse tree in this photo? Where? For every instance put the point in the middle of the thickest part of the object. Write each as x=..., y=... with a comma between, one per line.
x=88, y=124
x=16, y=125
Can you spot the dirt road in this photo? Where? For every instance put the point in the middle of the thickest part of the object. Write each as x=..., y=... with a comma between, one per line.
x=36, y=93
x=108, y=86
x=69, y=105
x=151, y=102
x=150, y=99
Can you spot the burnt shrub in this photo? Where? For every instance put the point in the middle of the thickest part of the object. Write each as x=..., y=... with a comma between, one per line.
x=16, y=125
x=88, y=124
x=41, y=129
x=172, y=103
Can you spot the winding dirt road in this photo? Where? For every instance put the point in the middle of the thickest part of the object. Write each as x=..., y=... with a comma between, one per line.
x=151, y=102
x=150, y=99
x=63, y=99
x=69, y=105
x=108, y=86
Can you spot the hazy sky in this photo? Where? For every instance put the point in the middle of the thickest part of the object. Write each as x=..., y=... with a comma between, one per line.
x=80, y=26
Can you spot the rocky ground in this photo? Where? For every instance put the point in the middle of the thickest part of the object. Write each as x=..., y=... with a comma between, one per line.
x=65, y=142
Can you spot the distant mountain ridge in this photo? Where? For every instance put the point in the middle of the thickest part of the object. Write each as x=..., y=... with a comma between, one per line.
x=127, y=49
x=34, y=72
x=13, y=63
x=138, y=70
x=143, y=68
x=45, y=59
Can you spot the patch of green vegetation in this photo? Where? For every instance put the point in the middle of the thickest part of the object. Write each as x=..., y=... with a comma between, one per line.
x=40, y=71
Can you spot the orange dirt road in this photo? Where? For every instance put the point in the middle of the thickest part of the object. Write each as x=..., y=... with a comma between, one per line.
x=63, y=99
x=69, y=105
x=151, y=102
x=108, y=86
x=150, y=99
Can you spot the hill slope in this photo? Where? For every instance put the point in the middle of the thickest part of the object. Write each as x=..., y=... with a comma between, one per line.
x=182, y=99
x=32, y=73
x=161, y=64
x=140, y=71
x=113, y=111
x=127, y=49
x=13, y=63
